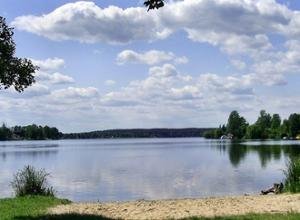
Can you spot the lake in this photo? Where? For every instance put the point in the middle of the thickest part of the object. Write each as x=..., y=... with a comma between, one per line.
x=132, y=169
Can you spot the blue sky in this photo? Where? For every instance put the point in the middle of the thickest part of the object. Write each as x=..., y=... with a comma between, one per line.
x=110, y=64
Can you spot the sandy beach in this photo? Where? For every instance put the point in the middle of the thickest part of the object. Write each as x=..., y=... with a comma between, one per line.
x=181, y=208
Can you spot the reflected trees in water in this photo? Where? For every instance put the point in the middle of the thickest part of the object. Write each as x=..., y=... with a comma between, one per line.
x=237, y=152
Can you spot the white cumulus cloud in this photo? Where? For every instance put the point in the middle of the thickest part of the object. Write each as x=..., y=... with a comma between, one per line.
x=54, y=78
x=49, y=64
x=86, y=22
x=47, y=71
x=74, y=92
x=151, y=57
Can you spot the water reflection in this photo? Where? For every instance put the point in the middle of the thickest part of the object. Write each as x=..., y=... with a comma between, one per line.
x=26, y=154
x=129, y=169
x=237, y=152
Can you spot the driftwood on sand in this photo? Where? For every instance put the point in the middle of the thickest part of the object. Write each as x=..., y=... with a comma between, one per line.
x=277, y=188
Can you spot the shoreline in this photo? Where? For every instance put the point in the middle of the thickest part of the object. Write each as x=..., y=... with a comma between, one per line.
x=183, y=208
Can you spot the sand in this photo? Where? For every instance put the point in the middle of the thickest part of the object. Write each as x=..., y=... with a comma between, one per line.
x=180, y=208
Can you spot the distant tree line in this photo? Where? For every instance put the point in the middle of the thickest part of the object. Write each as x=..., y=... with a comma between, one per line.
x=140, y=133
x=267, y=126
x=29, y=132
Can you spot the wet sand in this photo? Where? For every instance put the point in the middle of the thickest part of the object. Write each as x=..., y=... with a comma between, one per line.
x=181, y=208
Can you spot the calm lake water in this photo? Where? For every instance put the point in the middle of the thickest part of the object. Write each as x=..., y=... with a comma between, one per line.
x=131, y=169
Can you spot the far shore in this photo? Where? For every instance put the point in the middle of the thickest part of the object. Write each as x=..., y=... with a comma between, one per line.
x=184, y=208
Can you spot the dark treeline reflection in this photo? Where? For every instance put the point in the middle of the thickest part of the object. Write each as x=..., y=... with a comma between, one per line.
x=238, y=152
x=32, y=154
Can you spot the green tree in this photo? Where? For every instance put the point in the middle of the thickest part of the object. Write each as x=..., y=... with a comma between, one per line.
x=294, y=124
x=275, y=132
x=219, y=132
x=210, y=134
x=224, y=129
x=285, y=128
x=54, y=133
x=32, y=132
x=266, y=126
x=264, y=122
x=237, y=125
x=275, y=121
x=5, y=133
x=47, y=132
x=14, y=71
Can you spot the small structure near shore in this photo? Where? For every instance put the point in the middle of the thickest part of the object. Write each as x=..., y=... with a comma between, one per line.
x=227, y=137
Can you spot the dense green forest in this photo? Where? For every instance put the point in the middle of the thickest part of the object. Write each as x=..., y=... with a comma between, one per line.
x=34, y=132
x=140, y=133
x=267, y=126
x=30, y=132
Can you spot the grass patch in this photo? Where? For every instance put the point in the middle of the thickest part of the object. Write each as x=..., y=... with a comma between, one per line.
x=27, y=206
x=35, y=208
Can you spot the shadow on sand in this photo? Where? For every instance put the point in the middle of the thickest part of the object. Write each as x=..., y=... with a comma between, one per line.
x=64, y=217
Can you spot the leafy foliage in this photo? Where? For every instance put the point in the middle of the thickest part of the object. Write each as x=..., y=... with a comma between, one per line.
x=5, y=133
x=30, y=181
x=236, y=125
x=263, y=123
x=14, y=71
x=154, y=4
x=294, y=124
x=215, y=133
x=29, y=132
x=265, y=127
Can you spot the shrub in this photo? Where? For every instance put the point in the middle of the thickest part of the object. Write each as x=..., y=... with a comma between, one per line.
x=30, y=181
x=292, y=176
